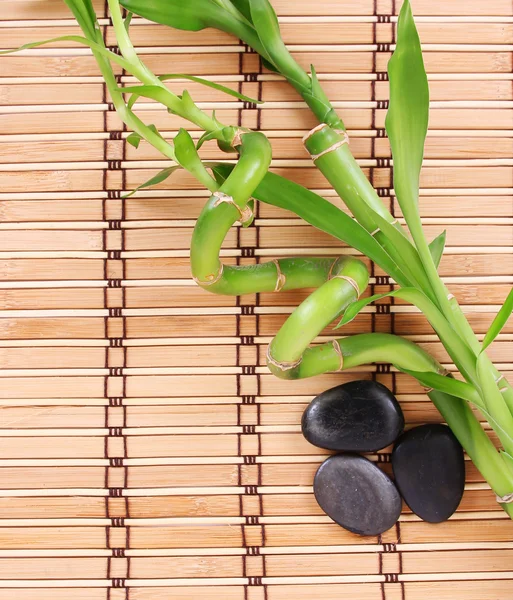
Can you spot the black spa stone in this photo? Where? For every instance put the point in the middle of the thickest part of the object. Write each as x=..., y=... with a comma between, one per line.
x=429, y=470
x=357, y=494
x=360, y=416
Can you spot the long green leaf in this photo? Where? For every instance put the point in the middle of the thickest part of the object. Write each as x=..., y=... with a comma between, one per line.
x=79, y=40
x=437, y=246
x=448, y=385
x=500, y=320
x=158, y=178
x=508, y=459
x=84, y=13
x=210, y=84
x=154, y=92
x=265, y=22
x=407, y=118
x=193, y=15
x=411, y=265
x=190, y=15
x=243, y=7
x=320, y=213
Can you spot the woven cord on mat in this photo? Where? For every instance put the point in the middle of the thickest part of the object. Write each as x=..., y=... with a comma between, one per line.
x=145, y=451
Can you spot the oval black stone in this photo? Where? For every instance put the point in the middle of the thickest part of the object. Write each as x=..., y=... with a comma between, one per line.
x=356, y=494
x=359, y=416
x=429, y=470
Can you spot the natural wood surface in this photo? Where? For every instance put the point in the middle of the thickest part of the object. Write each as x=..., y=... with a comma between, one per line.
x=145, y=451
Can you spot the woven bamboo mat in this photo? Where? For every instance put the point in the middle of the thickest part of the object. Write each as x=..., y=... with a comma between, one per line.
x=145, y=451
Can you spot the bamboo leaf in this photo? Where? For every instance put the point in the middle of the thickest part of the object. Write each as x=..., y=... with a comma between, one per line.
x=156, y=179
x=190, y=15
x=193, y=15
x=448, y=385
x=500, y=320
x=355, y=308
x=507, y=458
x=134, y=139
x=153, y=92
x=411, y=265
x=243, y=7
x=437, y=246
x=320, y=213
x=187, y=156
x=210, y=84
x=265, y=22
x=79, y=40
x=407, y=118
x=84, y=13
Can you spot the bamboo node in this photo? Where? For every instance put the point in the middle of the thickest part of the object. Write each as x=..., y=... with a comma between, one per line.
x=281, y=280
x=237, y=139
x=282, y=366
x=506, y=499
x=333, y=147
x=314, y=130
x=338, y=350
x=246, y=214
x=211, y=279
x=349, y=280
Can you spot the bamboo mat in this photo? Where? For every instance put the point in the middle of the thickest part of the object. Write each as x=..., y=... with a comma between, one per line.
x=145, y=451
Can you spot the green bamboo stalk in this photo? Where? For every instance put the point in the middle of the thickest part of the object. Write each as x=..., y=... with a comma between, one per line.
x=350, y=352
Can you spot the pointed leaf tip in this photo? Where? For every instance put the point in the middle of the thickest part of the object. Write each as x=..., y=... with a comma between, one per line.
x=500, y=320
x=407, y=118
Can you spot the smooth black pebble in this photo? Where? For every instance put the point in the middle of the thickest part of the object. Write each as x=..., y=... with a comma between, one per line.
x=359, y=416
x=356, y=494
x=429, y=470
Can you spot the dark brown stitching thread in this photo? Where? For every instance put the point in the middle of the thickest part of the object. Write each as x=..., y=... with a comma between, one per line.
x=382, y=280
x=382, y=309
x=252, y=520
x=383, y=369
x=384, y=458
x=248, y=399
